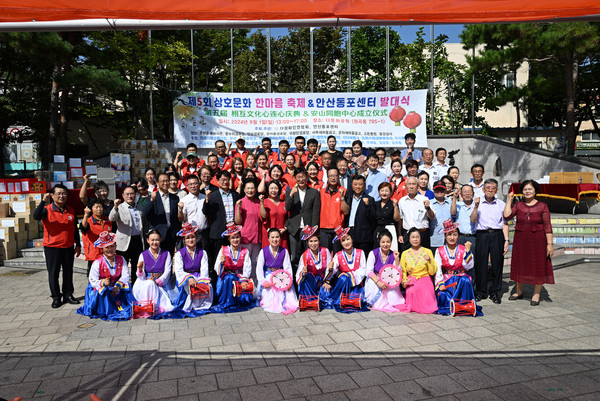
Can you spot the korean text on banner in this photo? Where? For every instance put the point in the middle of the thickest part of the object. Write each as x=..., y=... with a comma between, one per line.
x=376, y=118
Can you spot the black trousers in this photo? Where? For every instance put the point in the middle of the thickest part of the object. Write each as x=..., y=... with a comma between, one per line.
x=327, y=236
x=132, y=254
x=297, y=247
x=366, y=246
x=489, y=244
x=473, y=240
x=55, y=258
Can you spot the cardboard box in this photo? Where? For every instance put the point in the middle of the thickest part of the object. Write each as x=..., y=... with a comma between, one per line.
x=25, y=207
x=18, y=223
x=7, y=234
x=4, y=210
x=8, y=250
x=581, y=177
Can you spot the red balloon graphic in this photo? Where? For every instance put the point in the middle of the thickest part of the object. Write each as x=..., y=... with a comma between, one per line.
x=412, y=121
x=397, y=114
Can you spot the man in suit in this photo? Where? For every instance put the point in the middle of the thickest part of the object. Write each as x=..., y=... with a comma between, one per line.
x=304, y=208
x=161, y=213
x=130, y=229
x=219, y=206
x=361, y=217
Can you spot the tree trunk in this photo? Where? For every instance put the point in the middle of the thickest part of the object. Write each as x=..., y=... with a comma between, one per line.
x=54, y=103
x=64, y=100
x=518, y=132
x=571, y=70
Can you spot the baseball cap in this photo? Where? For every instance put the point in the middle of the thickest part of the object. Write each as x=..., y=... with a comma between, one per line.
x=439, y=185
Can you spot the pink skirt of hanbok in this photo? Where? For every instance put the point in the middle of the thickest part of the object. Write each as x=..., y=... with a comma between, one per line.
x=420, y=296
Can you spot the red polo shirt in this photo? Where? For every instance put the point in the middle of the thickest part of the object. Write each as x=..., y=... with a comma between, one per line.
x=331, y=207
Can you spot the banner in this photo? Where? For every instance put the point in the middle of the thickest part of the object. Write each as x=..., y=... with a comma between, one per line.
x=376, y=118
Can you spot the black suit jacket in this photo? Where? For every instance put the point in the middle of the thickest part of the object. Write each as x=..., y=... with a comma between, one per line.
x=215, y=210
x=365, y=219
x=157, y=219
x=310, y=211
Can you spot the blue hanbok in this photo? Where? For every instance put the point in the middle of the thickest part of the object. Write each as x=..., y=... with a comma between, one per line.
x=232, y=266
x=452, y=273
x=347, y=293
x=100, y=302
x=189, y=267
x=309, y=283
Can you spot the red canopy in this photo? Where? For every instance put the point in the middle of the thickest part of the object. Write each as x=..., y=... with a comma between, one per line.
x=399, y=11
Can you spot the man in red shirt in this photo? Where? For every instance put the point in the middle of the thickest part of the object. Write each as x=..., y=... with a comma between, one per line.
x=61, y=243
x=240, y=150
x=332, y=210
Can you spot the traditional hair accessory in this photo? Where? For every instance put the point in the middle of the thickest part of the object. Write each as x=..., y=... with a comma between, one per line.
x=231, y=229
x=187, y=229
x=308, y=232
x=340, y=233
x=105, y=239
x=439, y=185
x=449, y=226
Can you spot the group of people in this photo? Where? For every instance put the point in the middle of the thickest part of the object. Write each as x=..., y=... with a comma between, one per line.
x=300, y=229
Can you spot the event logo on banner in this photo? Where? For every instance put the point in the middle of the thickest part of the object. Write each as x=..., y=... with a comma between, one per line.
x=376, y=118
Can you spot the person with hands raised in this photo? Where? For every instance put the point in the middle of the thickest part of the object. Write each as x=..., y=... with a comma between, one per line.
x=108, y=296
x=101, y=193
x=378, y=295
x=418, y=266
x=94, y=222
x=154, y=283
x=273, y=214
x=533, y=246
x=247, y=214
x=61, y=243
x=453, y=262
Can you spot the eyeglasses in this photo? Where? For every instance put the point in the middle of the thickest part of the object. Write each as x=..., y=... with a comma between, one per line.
x=60, y=194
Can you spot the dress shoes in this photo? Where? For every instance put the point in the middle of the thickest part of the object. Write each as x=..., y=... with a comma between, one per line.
x=514, y=297
x=71, y=300
x=496, y=299
x=479, y=298
x=56, y=304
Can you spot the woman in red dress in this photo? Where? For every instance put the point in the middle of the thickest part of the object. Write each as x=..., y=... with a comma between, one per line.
x=273, y=213
x=532, y=244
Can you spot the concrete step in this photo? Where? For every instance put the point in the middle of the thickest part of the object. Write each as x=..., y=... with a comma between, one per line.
x=38, y=263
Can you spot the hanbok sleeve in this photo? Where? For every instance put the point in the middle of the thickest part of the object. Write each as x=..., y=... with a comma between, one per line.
x=180, y=275
x=260, y=267
x=404, y=266
x=287, y=263
x=218, y=263
x=124, y=279
x=247, y=269
x=95, y=276
x=468, y=260
x=300, y=268
x=141, y=275
x=371, y=266
x=164, y=278
x=359, y=275
x=431, y=264
x=439, y=277
x=204, y=266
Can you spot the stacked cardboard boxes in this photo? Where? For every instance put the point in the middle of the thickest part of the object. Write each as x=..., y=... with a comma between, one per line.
x=143, y=154
x=585, y=177
x=17, y=225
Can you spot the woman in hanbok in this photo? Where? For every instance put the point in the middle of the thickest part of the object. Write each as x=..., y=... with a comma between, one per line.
x=233, y=265
x=349, y=268
x=312, y=267
x=108, y=296
x=452, y=282
x=191, y=272
x=154, y=282
x=271, y=259
x=377, y=294
x=417, y=268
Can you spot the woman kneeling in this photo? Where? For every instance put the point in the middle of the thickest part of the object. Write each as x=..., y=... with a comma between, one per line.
x=107, y=296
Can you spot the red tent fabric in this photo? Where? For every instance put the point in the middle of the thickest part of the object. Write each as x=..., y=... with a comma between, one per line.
x=403, y=11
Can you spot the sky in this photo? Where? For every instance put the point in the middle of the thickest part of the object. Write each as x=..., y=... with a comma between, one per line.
x=408, y=32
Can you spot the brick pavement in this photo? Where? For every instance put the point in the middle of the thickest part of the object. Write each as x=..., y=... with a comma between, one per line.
x=514, y=352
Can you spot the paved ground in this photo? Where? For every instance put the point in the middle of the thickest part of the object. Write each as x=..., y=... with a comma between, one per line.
x=514, y=352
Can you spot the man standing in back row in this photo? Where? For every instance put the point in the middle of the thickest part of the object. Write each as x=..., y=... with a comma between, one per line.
x=61, y=243
x=492, y=241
